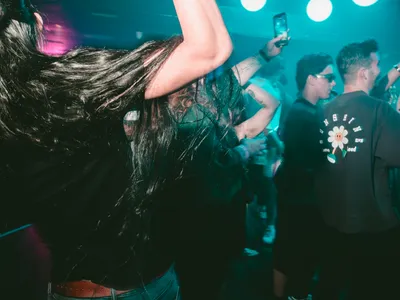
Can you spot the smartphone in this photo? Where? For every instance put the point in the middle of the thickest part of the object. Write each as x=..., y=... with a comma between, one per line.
x=281, y=28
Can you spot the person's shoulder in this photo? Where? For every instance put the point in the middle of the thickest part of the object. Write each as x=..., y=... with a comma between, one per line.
x=357, y=99
x=301, y=110
x=301, y=105
x=366, y=99
x=362, y=105
x=373, y=103
x=382, y=107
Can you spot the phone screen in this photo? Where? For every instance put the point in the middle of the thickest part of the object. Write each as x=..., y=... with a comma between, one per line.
x=281, y=27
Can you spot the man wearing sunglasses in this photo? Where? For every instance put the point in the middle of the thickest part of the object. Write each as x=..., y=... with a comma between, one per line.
x=299, y=225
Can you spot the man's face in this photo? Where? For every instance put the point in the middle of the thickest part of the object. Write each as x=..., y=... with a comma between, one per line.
x=324, y=83
x=374, y=71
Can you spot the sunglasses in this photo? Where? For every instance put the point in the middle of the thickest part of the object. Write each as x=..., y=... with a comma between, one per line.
x=330, y=77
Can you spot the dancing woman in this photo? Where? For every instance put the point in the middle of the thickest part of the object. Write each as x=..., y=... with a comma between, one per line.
x=66, y=165
x=101, y=206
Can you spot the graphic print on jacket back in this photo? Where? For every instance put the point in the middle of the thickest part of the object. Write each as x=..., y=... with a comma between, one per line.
x=342, y=136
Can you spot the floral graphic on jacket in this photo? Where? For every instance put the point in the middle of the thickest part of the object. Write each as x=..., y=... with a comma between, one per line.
x=337, y=136
x=338, y=139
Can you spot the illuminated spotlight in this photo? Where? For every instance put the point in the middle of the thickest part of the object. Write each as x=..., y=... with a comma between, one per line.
x=365, y=2
x=319, y=10
x=253, y=5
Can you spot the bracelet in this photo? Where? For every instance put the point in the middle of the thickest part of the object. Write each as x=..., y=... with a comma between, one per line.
x=397, y=68
x=246, y=85
x=264, y=56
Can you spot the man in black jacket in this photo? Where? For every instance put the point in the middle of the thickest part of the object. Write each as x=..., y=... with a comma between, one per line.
x=299, y=225
x=361, y=137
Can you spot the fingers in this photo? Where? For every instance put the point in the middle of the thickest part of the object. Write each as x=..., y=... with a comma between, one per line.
x=260, y=145
x=277, y=39
x=282, y=36
x=286, y=34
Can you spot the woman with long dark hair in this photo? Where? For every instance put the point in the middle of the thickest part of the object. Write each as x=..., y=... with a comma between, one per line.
x=107, y=209
x=66, y=165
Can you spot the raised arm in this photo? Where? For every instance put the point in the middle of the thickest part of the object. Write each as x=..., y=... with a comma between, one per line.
x=383, y=84
x=206, y=45
x=248, y=67
x=393, y=75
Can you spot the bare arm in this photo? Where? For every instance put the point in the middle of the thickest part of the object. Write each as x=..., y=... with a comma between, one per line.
x=206, y=46
x=262, y=96
x=256, y=124
x=248, y=67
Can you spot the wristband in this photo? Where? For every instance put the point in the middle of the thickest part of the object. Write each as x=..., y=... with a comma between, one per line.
x=264, y=56
x=246, y=85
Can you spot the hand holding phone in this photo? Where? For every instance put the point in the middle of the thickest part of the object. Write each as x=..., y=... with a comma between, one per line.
x=274, y=47
x=281, y=29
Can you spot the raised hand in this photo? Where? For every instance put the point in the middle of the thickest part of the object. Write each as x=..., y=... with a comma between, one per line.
x=272, y=48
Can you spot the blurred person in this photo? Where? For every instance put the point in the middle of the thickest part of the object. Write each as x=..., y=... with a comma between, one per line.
x=212, y=231
x=297, y=248
x=383, y=84
x=271, y=80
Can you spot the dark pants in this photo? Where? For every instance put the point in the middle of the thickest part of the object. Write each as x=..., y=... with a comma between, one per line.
x=203, y=275
x=264, y=188
x=211, y=238
x=368, y=265
x=298, y=246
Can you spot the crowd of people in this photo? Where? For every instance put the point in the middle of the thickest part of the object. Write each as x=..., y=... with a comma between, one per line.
x=136, y=166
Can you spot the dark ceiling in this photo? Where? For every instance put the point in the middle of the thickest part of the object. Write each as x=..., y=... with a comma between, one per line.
x=126, y=23
x=119, y=23
x=120, y=19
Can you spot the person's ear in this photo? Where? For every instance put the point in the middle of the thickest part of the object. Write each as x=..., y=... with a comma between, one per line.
x=363, y=73
x=310, y=80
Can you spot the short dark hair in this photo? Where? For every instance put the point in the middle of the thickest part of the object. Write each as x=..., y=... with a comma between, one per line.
x=311, y=64
x=355, y=56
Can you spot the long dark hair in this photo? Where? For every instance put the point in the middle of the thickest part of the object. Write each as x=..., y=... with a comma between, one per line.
x=67, y=104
